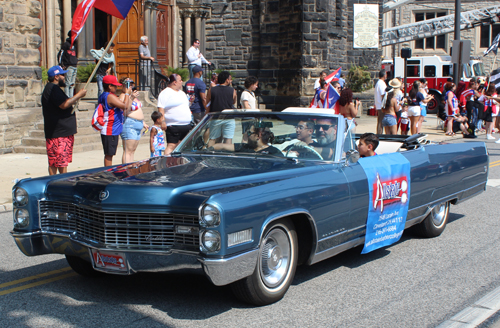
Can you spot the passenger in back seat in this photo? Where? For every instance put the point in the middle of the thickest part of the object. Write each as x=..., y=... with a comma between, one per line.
x=368, y=142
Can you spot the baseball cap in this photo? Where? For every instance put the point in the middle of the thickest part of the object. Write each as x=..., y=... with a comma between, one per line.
x=111, y=79
x=197, y=69
x=55, y=70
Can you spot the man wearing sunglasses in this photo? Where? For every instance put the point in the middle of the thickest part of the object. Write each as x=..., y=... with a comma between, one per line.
x=326, y=136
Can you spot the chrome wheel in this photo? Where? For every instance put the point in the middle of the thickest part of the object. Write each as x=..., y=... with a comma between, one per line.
x=439, y=214
x=434, y=224
x=275, y=258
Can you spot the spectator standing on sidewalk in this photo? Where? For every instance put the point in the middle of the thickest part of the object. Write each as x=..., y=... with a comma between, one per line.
x=380, y=87
x=196, y=89
x=107, y=65
x=68, y=62
x=195, y=58
x=113, y=109
x=144, y=63
x=248, y=100
x=59, y=122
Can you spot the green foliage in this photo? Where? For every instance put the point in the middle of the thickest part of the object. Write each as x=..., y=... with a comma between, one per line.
x=83, y=73
x=45, y=76
x=359, y=78
x=183, y=72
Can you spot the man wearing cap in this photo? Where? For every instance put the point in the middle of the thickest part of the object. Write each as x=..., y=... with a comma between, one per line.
x=113, y=109
x=59, y=121
x=196, y=89
x=194, y=57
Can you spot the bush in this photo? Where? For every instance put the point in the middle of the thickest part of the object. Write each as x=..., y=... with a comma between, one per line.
x=83, y=73
x=359, y=78
x=45, y=76
x=183, y=72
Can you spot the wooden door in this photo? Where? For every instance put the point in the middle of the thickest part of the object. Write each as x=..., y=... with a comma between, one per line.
x=128, y=40
x=163, y=35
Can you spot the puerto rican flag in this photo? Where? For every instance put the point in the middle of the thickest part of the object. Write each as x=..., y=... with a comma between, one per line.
x=335, y=76
x=117, y=8
x=316, y=102
x=331, y=99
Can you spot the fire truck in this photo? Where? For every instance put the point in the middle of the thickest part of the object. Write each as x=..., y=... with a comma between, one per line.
x=435, y=69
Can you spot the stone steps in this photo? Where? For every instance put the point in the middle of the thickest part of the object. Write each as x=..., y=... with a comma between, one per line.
x=87, y=138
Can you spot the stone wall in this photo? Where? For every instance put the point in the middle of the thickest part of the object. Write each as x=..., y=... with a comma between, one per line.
x=20, y=74
x=285, y=43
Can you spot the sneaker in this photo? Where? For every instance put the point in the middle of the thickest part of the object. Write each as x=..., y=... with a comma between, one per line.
x=471, y=136
x=498, y=141
x=490, y=137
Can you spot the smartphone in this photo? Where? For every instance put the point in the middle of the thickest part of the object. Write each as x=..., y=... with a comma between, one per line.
x=134, y=88
x=127, y=84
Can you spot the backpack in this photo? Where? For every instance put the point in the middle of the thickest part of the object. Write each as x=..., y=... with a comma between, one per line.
x=98, y=118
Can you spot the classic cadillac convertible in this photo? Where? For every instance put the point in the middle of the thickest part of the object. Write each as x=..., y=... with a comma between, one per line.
x=245, y=198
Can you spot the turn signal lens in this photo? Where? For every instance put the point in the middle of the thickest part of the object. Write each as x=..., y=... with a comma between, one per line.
x=239, y=237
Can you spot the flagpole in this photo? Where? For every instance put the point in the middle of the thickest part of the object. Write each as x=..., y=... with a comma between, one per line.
x=100, y=61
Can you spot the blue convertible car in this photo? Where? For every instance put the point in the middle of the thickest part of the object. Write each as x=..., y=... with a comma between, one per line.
x=245, y=198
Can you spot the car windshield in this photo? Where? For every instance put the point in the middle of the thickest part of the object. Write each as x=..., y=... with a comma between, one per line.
x=479, y=69
x=311, y=137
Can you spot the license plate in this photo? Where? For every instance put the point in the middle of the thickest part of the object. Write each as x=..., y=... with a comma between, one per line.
x=109, y=260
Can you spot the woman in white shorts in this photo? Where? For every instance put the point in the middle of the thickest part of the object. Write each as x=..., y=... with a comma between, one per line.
x=414, y=108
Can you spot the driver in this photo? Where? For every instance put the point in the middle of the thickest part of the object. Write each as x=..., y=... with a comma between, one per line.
x=326, y=134
x=259, y=141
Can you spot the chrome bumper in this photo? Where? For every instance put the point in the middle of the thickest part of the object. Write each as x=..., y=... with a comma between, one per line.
x=220, y=271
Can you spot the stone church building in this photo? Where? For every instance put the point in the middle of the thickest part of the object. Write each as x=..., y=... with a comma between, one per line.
x=286, y=44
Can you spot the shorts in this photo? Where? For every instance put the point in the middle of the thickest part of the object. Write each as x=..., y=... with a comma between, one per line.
x=109, y=144
x=423, y=110
x=405, y=127
x=414, y=111
x=222, y=128
x=488, y=116
x=60, y=150
x=132, y=129
x=176, y=133
x=389, y=120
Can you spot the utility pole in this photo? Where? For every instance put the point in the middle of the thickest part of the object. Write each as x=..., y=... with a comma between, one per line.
x=458, y=67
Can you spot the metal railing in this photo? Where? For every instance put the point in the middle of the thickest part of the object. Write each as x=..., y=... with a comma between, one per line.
x=149, y=77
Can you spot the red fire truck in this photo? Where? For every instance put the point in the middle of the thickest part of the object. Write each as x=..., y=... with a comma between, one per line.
x=435, y=69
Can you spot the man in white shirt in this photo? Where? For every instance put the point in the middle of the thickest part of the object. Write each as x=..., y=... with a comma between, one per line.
x=195, y=58
x=379, y=96
x=322, y=77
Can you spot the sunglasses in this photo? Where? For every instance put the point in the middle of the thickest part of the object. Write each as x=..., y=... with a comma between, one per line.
x=249, y=133
x=325, y=127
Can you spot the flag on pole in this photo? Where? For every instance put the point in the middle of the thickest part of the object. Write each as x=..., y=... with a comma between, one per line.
x=117, y=8
x=335, y=76
x=82, y=11
x=494, y=45
x=331, y=98
x=495, y=77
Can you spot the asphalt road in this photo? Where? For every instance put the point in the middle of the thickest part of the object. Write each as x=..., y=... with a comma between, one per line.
x=414, y=283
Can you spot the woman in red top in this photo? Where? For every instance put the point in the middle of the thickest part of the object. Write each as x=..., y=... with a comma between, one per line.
x=451, y=106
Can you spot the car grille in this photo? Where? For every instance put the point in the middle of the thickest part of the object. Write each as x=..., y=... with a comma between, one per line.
x=121, y=230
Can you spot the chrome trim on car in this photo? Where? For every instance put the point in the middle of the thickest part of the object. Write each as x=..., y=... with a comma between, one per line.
x=289, y=213
x=228, y=270
x=336, y=250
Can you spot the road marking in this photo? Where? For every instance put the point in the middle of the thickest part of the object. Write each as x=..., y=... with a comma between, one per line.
x=494, y=165
x=34, y=284
x=476, y=314
x=494, y=162
x=38, y=283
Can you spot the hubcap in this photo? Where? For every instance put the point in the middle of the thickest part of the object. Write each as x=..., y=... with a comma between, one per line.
x=439, y=214
x=275, y=258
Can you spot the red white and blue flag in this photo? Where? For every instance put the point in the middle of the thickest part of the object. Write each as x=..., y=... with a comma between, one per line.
x=335, y=76
x=316, y=102
x=331, y=99
x=117, y=8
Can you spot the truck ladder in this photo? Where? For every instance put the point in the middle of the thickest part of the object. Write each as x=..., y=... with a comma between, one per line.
x=393, y=4
x=440, y=25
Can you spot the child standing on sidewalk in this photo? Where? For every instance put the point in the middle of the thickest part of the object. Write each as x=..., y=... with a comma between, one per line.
x=157, y=136
x=405, y=120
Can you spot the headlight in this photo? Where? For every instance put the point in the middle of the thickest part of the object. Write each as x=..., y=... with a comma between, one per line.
x=210, y=240
x=20, y=197
x=21, y=218
x=209, y=216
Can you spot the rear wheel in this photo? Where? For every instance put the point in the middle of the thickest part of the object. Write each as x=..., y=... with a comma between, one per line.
x=275, y=267
x=82, y=267
x=435, y=222
x=432, y=106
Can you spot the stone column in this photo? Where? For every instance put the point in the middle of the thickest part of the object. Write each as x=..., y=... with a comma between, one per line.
x=66, y=18
x=197, y=27
x=187, y=34
x=152, y=36
x=50, y=29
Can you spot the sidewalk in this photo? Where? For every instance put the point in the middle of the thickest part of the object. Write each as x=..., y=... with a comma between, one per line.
x=20, y=166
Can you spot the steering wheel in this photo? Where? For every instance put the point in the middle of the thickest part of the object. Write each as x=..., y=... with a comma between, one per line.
x=304, y=151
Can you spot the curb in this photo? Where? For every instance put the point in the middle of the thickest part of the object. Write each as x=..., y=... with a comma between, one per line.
x=7, y=207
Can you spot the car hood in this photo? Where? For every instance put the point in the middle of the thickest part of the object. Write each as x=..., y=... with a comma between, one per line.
x=184, y=181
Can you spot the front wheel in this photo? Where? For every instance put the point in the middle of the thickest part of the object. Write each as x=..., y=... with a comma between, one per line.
x=434, y=224
x=275, y=267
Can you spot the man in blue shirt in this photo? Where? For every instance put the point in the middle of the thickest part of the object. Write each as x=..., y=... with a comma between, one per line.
x=196, y=89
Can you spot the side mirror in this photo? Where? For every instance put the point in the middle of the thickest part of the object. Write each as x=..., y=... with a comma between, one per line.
x=351, y=157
